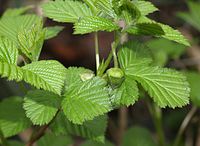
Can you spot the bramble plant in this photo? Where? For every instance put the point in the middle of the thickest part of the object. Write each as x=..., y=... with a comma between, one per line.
x=76, y=100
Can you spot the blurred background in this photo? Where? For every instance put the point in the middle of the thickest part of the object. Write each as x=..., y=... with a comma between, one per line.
x=76, y=50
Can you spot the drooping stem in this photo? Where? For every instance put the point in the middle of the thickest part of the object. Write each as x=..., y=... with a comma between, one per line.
x=156, y=114
x=97, y=50
x=2, y=139
x=184, y=125
x=40, y=132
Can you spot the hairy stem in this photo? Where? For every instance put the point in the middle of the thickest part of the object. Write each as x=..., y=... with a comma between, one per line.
x=97, y=50
x=156, y=114
x=184, y=125
x=40, y=132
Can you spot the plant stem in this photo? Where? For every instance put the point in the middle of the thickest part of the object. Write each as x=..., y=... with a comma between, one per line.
x=156, y=114
x=114, y=47
x=2, y=139
x=123, y=114
x=40, y=132
x=97, y=50
x=111, y=54
x=184, y=125
x=106, y=64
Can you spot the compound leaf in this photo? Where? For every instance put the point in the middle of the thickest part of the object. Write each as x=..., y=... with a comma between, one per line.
x=167, y=87
x=146, y=29
x=132, y=54
x=31, y=40
x=62, y=125
x=145, y=7
x=77, y=75
x=92, y=6
x=53, y=31
x=11, y=26
x=94, y=24
x=106, y=7
x=127, y=94
x=169, y=32
x=10, y=71
x=41, y=106
x=90, y=99
x=48, y=75
x=12, y=117
x=66, y=10
x=8, y=51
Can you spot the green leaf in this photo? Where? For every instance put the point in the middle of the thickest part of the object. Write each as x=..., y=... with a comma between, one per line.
x=15, y=143
x=76, y=76
x=11, y=26
x=173, y=35
x=93, y=143
x=10, y=71
x=145, y=7
x=62, y=125
x=12, y=117
x=66, y=11
x=167, y=87
x=194, y=81
x=138, y=136
x=94, y=24
x=92, y=6
x=48, y=75
x=15, y=12
x=127, y=94
x=8, y=51
x=41, y=106
x=162, y=53
x=191, y=17
x=31, y=40
x=169, y=32
x=126, y=10
x=50, y=139
x=146, y=29
x=90, y=99
x=132, y=54
x=52, y=32
x=106, y=7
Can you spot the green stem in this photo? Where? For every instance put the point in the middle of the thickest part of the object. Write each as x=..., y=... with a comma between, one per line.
x=106, y=64
x=111, y=54
x=114, y=47
x=97, y=50
x=2, y=139
x=156, y=114
x=184, y=125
